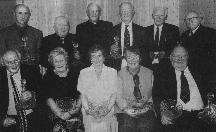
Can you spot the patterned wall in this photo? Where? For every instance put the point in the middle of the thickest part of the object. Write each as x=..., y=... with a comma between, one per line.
x=44, y=11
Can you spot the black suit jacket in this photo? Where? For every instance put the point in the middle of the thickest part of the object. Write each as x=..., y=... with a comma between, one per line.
x=169, y=37
x=29, y=73
x=10, y=39
x=89, y=34
x=52, y=41
x=202, y=49
x=165, y=85
x=138, y=41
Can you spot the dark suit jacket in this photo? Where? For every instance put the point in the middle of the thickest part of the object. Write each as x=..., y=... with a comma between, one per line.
x=89, y=34
x=165, y=85
x=202, y=49
x=138, y=39
x=32, y=76
x=168, y=39
x=10, y=39
x=52, y=41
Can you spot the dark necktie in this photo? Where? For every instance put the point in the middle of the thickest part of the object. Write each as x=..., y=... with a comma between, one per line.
x=62, y=40
x=157, y=37
x=136, y=91
x=21, y=113
x=126, y=37
x=185, y=91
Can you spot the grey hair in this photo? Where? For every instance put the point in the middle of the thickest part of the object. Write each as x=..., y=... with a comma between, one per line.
x=179, y=46
x=91, y=4
x=55, y=52
x=61, y=17
x=19, y=5
x=128, y=3
x=164, y=9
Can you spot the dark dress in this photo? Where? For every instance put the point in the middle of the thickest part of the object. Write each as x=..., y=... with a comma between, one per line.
x=60, y=87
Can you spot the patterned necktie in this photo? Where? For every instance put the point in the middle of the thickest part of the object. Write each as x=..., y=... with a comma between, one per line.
x=136, y=91
x=185, y=91
x=21, y=113
x=157, y=37
x=126, y=37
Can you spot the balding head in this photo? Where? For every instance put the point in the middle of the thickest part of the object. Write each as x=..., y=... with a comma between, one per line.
x=22, y=14
x=179, y=58
x=93, y=12
x=61, y=26
x=11, y=60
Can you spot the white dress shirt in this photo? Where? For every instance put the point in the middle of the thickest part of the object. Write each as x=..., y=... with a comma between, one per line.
x=196, y=102
x=160, y=30
x=17, y=81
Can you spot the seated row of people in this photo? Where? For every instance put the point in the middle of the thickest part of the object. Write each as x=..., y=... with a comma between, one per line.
x=128, y=100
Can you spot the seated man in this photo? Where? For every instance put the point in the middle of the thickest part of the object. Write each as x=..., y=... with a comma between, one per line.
x=135, y=95
x=16, y=83
x=178, y=81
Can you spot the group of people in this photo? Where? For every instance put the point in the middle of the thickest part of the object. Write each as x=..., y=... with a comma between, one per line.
x=116, y=76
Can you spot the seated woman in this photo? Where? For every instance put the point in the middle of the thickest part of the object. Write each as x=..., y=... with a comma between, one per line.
x=97, y=85
x=135, y=95
x=60, y=84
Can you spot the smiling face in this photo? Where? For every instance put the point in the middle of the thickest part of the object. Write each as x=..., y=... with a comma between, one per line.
x=159, y=16
x=97, y=58
x=59, y=63
x=192, y=20
x=126, y=13
x=133, y=60
x=179, y=58
x=22, y=15
x=93, y=13
x=12, y=61
x=61, y=27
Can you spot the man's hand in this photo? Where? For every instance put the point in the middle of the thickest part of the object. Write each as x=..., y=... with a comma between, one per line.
x=64, y=115
x=26, y=95
x=166, y=121
x=9, y=121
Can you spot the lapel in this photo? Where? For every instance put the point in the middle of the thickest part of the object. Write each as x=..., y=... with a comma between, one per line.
x=163, y=36
x=173, y=88
x=118, y=33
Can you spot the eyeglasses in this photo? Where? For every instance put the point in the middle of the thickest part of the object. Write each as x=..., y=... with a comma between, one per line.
x=158, y=16
x=9, y=63
x=176, y=58
x=192, y=19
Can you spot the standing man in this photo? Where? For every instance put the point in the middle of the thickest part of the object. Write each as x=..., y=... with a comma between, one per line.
x=92, y=31
x=16, y=85
x=125, y=34
x=200, y=42
x=61, y=38
x=22, y=37
x=161, y=36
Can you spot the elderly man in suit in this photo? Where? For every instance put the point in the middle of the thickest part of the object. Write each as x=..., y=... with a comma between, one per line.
x=200, y=42
x=16, y=83
x=61, y=38
x=125, y=34
x=161, y=36
x=93, y=31
x=21, y=36
x=179, y=81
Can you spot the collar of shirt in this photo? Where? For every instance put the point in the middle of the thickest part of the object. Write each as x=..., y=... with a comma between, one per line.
x=122, y=34
x=195, y=102
x=155, y=30
x=194, y=31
